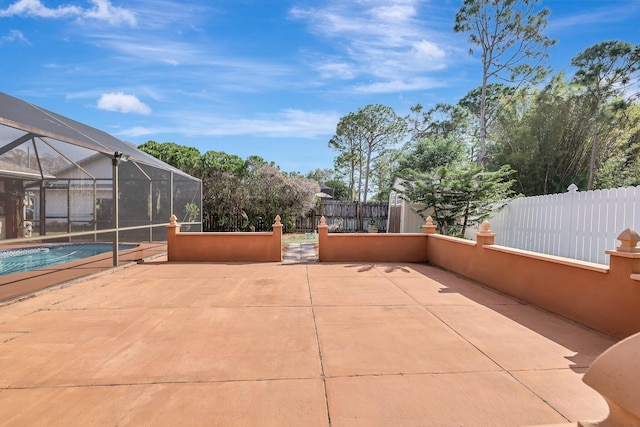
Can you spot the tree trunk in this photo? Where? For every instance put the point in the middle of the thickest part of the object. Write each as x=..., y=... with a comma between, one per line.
x=360, y=181
x=352, y=181
x=366, y=176
x=465, y=219
x=594, y=145
x=483, y=119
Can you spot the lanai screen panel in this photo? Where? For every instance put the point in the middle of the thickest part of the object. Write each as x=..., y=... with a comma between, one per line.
x=57, y=174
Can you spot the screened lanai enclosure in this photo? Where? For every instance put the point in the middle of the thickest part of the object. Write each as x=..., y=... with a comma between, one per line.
x=64, y=181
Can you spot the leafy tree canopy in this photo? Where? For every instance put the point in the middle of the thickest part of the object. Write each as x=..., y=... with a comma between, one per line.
x=606, y=70
x=186, y=159
x=430, y=154
x=458, y=197
x=362, y=137
x=237, y=193
x=512, y=47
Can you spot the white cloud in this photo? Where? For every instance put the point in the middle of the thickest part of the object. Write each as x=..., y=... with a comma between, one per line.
x=137, y=131
x=426, y=50
x=388, y=24
x=152, y=48
x=397, y=13
x=387, y=40
x=102, y=10
x=14, y=36
x=611, y=12
x=394, y=86
x=122, y=103
x=173, y=14
x=37, y=9
x=291, y=123
x=340, y=70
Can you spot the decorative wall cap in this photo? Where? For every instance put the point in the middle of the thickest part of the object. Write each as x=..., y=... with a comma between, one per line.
x=485, y=229
x=429, y=227
x=629, y=239
x=173, y=221
x=323, y=221
x=278, y=219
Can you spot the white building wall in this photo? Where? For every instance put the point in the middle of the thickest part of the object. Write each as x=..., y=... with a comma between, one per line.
x=82, y=202
x=410, y=220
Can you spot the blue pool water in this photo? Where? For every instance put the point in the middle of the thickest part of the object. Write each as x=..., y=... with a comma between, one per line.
x=27, y=259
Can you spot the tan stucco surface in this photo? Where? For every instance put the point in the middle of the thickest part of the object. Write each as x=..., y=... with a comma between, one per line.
x=602, y=297
x=271, y=344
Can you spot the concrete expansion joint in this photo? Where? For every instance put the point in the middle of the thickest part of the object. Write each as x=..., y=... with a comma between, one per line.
x=416, y=374
x=151, y=383
x=424, y=353
x=319, y=349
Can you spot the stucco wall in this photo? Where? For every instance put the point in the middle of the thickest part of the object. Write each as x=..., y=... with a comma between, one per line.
x=602, y=297
x=371, y=247
x=224, y=247
x=606, y=298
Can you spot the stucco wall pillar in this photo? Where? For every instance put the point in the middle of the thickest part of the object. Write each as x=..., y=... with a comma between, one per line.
x=485, y=236
x=429, y=227
x=173, y=228
x=277, y=239
x=625, y=260
x=323, y=235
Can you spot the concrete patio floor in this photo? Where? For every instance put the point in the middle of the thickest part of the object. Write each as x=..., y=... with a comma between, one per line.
x=275, y=344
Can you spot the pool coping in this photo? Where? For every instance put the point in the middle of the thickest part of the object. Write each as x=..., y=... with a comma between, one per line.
x=19, y=285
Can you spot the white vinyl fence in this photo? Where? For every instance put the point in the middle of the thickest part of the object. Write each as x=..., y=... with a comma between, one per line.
x=578, y=225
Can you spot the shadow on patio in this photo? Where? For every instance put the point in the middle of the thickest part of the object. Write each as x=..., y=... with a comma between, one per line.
x=299, y=344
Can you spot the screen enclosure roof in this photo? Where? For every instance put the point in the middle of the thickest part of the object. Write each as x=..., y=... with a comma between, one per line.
x=21, y=121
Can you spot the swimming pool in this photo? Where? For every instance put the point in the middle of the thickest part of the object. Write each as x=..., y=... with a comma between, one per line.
x=32, y=258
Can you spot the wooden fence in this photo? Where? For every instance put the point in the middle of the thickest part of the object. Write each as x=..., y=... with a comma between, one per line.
x=346, y=217
x=211, y=223
x=342, y=217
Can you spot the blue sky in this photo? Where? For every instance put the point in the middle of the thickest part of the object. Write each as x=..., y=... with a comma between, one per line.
x=265, y=77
